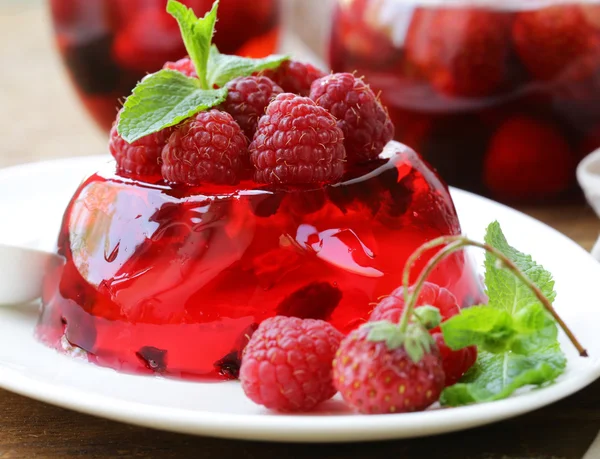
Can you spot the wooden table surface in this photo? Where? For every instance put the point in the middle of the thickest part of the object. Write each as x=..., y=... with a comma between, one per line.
x=41, y=119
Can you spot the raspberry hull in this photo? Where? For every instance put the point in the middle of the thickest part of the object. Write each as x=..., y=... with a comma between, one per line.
x=160, y=280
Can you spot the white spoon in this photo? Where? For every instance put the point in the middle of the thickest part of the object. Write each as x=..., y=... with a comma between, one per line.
x=22, y=272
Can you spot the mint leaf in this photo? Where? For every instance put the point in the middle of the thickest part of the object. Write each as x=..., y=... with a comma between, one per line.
x=161, y=100
x=484, y=326
x=197, y=35
x=535, y=329
x=517, y=338
x=496, y=376
x=504, y=290
x=223, y=68
x=495, y=330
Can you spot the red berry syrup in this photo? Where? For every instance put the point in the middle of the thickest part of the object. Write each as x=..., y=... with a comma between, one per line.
x=455, y=76
x=109, y=45
x=173, y=281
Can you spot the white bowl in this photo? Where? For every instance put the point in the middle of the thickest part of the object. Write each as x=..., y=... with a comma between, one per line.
x=588, y=176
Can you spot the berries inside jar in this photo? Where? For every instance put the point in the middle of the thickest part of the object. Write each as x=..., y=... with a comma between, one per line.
x=474, y=67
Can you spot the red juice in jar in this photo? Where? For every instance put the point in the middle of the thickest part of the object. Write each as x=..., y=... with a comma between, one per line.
x=502, y=99
x=109, y=45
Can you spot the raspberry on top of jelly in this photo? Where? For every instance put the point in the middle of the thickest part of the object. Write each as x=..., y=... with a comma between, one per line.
x=169, y=280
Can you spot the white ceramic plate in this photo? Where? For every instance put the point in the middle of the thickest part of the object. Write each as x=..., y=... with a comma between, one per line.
x=32, y=198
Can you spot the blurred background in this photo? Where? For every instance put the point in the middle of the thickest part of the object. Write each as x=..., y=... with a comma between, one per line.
x=41, y=112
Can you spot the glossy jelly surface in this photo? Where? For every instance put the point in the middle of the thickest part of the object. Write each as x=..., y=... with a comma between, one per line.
x=502, y=98
x=109, y=45
x=173, y=281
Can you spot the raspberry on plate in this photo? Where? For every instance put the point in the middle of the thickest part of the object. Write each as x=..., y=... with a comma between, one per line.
x=528, y=158
x=461, y=51
x=295, y=77
x=247, y=100
x=140, y=158
x=297, y=142
x=559, y=41
x=184, y=65
x=210, y=147
x=390, y=308
x=374, y=378
x=286, y=365
x=363, y=120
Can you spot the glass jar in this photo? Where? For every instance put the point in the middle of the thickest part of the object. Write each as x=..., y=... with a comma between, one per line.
x=502, y=98
x=109, y=45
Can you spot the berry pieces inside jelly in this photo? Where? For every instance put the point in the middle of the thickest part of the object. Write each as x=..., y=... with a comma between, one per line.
x=174, y=280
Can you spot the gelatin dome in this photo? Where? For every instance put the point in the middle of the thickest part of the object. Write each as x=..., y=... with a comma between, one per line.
x=173, y=281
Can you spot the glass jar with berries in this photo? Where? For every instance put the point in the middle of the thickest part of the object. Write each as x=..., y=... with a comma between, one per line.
x=502, y=98
x=109, y=45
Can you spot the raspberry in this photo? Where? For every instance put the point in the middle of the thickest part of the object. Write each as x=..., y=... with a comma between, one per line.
x=210, y=147
x=374, y=379
x=297, y=142
x=391, y=307
x=560, y=41
x=140, y=158
x=363, y=120
x=527, y=159
x=461, y=51
x=295, y=77
x=184, y=66
x=455, y=363
x=286, y=366
x=247, y=100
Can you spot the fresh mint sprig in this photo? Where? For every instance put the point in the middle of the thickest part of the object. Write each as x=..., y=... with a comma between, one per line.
x=516, y=333
x=166, y=98
x=223, y=67
x=197, y=35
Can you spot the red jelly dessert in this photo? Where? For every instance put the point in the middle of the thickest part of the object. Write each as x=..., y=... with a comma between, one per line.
x=160, y=279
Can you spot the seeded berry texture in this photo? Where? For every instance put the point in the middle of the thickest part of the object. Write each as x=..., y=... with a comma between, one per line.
x=363, y=120
x=184, y=66
x=247, y=100
x=391, y=307
x=295, y=77
x=141, y=157
x=286, y=366
x=297, y=142
x=374, y=379
x=209, y=148
x=455, y=363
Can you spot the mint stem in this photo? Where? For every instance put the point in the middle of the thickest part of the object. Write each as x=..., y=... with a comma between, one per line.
x=411, y=300
x=455, y=243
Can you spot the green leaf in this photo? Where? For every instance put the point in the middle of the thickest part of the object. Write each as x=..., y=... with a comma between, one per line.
x=516, y=337
x=223, y=68
x=486, y=327
x=496, y=376
x=197, y=35
x=535, y=328
x=161, y=100
x=504, y=290
x=429, y=316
